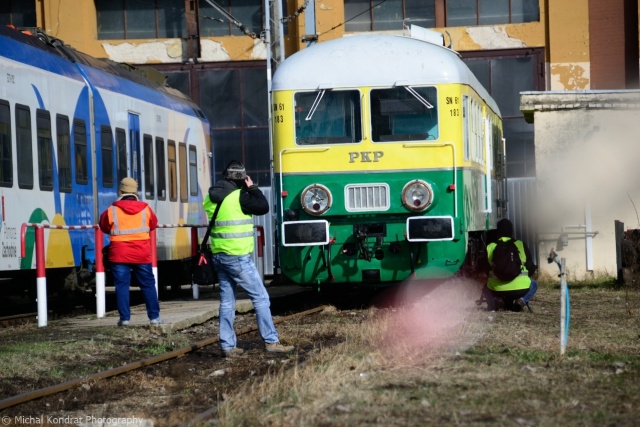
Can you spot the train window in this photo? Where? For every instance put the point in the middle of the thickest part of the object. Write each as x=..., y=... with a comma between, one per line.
x=182, y=154
x=80, y=145
x=465, y=127
x=161, y=170
x=173, y=171
x=106, y=152
x=328, y=117
x=161, y=178
x=25, y=150
x=45, y=150
x=121, y=154
x=404, y=113
x=64, y=153
x=193, y=171
x=149, y=170
x=6, y=162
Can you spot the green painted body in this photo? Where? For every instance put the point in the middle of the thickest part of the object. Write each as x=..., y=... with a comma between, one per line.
x=400, y=259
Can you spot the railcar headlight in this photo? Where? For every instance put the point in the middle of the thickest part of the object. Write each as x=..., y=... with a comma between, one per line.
x=417, y=195
x=316, y=199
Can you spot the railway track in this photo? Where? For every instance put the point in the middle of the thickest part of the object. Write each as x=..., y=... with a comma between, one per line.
x=24, y=399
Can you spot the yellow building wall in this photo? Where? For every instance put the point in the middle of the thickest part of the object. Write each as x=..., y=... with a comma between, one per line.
x=563, y=30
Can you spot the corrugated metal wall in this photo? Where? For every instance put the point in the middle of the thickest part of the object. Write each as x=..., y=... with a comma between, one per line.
x=521, y=197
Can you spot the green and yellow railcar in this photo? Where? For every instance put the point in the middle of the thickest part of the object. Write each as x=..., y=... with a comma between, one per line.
x=387, y=162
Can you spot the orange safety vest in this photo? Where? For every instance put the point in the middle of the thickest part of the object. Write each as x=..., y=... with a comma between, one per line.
x=126, y=227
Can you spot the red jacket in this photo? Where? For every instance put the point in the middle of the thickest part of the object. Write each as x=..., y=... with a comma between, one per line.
x=130, y=241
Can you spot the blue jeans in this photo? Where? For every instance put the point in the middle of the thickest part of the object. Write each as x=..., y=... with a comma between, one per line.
x=240, y=270
x=508, y=296
x=122, y=279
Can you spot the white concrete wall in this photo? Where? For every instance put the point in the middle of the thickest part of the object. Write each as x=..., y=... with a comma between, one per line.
x=587, y=147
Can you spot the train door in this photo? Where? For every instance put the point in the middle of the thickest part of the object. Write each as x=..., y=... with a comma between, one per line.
x=134, y=147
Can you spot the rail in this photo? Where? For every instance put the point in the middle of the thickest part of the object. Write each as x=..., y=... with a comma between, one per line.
x=41, y=279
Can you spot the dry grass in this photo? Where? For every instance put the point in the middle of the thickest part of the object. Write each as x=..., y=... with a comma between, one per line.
x=442, y=361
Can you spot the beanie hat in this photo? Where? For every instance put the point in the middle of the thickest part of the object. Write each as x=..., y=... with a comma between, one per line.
x=128, y=185
x=505, y=228
x=235, y=171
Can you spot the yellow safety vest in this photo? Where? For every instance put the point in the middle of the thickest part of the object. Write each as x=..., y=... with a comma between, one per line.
x=232, y=231
x=521, y=282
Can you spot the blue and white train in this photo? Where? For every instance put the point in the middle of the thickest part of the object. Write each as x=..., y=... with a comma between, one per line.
x=71, y=127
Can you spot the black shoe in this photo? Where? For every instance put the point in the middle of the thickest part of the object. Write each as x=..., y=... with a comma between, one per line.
x=519, y=305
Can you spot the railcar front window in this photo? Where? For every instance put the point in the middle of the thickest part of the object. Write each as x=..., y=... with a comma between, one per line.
x=328, y=117
x=404, y=113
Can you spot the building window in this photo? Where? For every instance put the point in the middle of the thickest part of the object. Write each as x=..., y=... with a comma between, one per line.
x=505, y=74
x=460, y=13
x=18, y=12
x=135, y=19
x=372, y=15
x=249, y=13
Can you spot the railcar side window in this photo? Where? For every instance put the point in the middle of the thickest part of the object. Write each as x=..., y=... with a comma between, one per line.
x=106, y=145
x=45, y=150
x=404, y=113
x=149, y=170
x=64, y=153
x=80, y=143
x=182, y=152
x=121, y=154
x=162, y=171
x=6, y=162
x=328, y=117
x=193, y=171
x=25, y=150
x=173, y=171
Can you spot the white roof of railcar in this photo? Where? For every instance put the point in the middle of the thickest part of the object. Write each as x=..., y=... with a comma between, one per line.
x=374, y=60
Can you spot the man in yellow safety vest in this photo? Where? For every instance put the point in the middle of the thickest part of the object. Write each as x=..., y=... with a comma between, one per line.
x=232, y=244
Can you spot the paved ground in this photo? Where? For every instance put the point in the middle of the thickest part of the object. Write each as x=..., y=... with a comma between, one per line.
x=183, y=312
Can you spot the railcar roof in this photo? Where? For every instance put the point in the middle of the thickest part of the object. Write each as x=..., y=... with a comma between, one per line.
x=38, y=39
x=374, y=60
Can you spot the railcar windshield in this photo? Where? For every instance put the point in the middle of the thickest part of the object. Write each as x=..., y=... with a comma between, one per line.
x=328, y=117
x=404, y=113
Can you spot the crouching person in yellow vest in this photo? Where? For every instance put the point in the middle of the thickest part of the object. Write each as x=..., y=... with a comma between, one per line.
x=510, y=267
x=232, y=244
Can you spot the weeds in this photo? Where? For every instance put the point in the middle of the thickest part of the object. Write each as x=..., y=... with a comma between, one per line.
x=472, y=368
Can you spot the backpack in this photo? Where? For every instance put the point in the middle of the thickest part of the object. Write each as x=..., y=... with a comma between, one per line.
x=507, y=264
